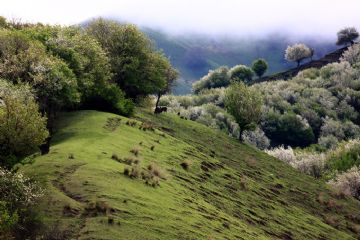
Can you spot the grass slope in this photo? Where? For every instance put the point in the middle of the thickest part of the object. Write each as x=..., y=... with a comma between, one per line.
x=231, y=191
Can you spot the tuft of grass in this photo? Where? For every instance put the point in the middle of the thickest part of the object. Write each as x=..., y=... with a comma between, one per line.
x=71, y=156
x=186, y=164
x=135, y=151
x=115, y=157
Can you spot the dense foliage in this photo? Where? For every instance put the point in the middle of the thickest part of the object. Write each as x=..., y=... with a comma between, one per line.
x=241, y=73
x=138, y=68
x=259, y=67
x=19, y=196
x=297, y=53
x=347, y=35
x=22, y=128
x=244, y=104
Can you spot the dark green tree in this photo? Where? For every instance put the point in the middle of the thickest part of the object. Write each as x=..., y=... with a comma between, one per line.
x=259, y=67
x=347, y=35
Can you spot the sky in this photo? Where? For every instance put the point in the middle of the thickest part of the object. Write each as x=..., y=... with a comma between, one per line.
x=305, y=17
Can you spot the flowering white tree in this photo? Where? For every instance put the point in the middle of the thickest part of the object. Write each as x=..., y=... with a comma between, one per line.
x=297, y=53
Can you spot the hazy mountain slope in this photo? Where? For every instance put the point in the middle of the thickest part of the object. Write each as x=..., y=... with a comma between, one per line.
x=230, y=191
x=194, y=55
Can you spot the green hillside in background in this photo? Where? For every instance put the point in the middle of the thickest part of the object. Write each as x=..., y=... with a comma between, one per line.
x=210, y=185
x=195, y=55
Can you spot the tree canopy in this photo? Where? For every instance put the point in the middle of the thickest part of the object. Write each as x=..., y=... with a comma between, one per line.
x=22, y=128
x=259, y=67
x=134, y=60
x=347, y=35
x=244, y=104
x=297, y=53
x=241, y=73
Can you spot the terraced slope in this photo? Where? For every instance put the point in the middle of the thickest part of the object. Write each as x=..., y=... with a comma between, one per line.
x=228, y=191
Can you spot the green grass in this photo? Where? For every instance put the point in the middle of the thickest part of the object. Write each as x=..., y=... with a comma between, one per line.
x=230, y=191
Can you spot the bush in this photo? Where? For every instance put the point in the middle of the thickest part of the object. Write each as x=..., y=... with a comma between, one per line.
x=22, y=128
x=19, y=195
x=345, y=156
x=286, y=155
x=352, y=54
x=256, y=138
x=287, y=128
x=309, y=163
x=348, y=182
x=111, y=99
x=186, y=164
x=214, y=79
x=241, y=73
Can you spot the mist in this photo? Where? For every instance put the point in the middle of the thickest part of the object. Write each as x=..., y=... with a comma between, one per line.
x=227, y=17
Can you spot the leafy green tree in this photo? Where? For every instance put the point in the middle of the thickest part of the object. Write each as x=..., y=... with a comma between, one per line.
x=346, y=36
x=259, y=67
x=133, y=58
x=25, y=60
x=169, y=75
x=241, y=73
x=22, y=127
x=245, y=105
x=297, y=53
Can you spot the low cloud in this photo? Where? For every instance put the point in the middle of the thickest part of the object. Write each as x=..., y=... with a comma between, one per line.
x=235, y=17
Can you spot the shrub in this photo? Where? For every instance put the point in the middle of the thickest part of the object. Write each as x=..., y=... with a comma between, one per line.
x=22, y=128
x=186, y=164
x=214, y=79
x=348, y=182
x=112, y=99
x=19, y=195
x=310, y=163
x=256, y=138
x=286, y=155
x=328, y=142
x=241, y=73
x=135, y=151
x=115, y=157
x=345, y=156
x=352, y=54
x=287, y=128
x=155, y=170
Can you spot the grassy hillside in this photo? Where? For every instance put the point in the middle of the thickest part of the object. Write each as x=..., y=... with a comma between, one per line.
x=230, y=190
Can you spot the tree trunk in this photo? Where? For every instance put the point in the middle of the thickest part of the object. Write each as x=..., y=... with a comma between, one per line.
x=240, y=134
x=157, y=102
x=45, y=148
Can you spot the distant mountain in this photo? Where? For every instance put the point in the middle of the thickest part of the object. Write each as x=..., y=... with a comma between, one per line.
x=195, y=55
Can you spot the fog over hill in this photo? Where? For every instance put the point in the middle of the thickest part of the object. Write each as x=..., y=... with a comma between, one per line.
x=195, y=54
